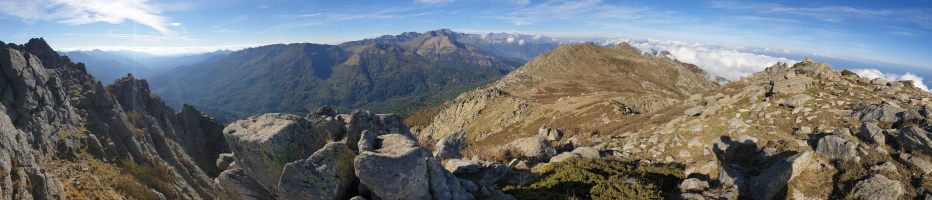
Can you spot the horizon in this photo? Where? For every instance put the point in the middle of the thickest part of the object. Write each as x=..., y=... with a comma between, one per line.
x=863, y=30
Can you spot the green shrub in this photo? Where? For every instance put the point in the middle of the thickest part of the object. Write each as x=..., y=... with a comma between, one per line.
x=601, y=179
x=155, y=176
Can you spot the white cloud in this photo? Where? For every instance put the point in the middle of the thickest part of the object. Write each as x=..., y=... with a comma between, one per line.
x=77, y=12
x=729, y=62
x=874, y=73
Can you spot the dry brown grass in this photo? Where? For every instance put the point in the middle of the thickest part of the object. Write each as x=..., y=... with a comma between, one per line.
x=423, y=117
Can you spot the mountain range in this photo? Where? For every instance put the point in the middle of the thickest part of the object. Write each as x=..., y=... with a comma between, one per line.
x=392, y=73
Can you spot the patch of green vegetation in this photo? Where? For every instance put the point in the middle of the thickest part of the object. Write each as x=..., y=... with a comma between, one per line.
x=147, y=175
x=601, y=179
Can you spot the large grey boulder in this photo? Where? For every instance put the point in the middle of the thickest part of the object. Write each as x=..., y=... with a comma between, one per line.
x=443, y=184
x=884, y=112
x=462, y=166
x=328, y=174
x=917, y=162
x=772, y=180
x=796, y=100
x=837, y=148
x=396, y=168
x=393, y=166
x=532, y=147
x=379, y=124
x=872, y=133
x=588, y=152
x=449, y=146
x=913, y=138
x=877, y=187
x=790, y=84
x=235, y=184
x=263, y=144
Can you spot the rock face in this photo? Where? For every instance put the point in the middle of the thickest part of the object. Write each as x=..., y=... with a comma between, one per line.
x=51, y=110
x=916, y=139
x=394, y=170
x=235, y=184
x=328, y=174
x=884, y=112
x=292, y=157
x=835, y=147
x=872, y=133
x=263, y=144
x=877, y=187
x=773, y=180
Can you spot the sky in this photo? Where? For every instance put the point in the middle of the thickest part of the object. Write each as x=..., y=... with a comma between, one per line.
x=898, y=32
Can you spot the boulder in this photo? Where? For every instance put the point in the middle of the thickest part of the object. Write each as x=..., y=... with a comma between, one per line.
x=517, y=164
x=551, y=134
x=327, y=174
x=462, y=166
x=449, y=147
x=693, y=185
x=588, y=152
x=877, y=187
x=235, y=184
x=396, y=168
x=872, y=133
x=224, y=161
x=263, y=144
x=917, y=162
x=376, y=123
x=443, y=184
x=532, y=147
x=772, y=180
x=913, y=138
x=796, y=100
x=694, y=111
x=790, y=85
x=837, y=148
x=564, y=157
x=884, y=112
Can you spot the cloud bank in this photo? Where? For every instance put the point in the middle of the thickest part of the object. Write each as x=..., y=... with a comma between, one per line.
x=77, y=12
x=874, y=73
x=728, y=62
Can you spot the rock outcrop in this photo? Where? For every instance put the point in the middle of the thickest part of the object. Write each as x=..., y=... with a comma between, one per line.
x=52, y=112
x=292, y=157
x=327, y=174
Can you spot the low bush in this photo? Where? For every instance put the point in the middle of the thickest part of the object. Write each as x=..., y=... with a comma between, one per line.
x=601, y=179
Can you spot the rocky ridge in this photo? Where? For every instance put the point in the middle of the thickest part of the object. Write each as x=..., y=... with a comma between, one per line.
x=803, y=131
x=65, y=135
x=332, y=156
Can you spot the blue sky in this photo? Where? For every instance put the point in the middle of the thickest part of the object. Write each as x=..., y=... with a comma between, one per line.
x=897, y=32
